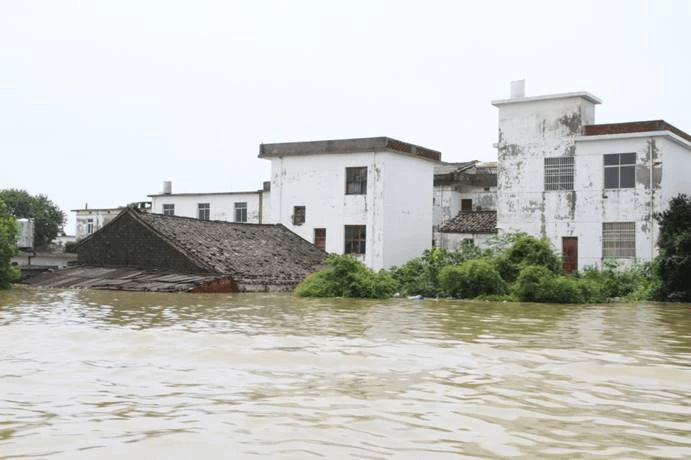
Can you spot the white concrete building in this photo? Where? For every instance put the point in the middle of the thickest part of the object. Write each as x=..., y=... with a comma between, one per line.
x=90, y=220
x=250, y=207
x=369, y=197
x=592, y=189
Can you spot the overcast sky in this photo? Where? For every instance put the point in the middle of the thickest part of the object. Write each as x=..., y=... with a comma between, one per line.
x=101, y=101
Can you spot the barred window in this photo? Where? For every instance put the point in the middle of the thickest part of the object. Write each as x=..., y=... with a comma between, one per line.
x=168, y=209
x=298, y=215
x=559, y=173
x=618, y=240
x=620, y=170
x=241, y=211
x=355, y=237
x=356, y=181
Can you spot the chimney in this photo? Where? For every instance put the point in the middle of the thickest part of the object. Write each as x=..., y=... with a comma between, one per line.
x=517, y=89
x=167, y=187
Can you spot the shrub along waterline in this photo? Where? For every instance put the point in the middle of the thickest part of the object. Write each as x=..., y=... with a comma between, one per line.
x=514, y=267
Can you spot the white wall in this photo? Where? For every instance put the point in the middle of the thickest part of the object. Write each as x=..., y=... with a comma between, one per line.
x=671, y=162
x=99, y=218
x=397, y=208
x=222, y=205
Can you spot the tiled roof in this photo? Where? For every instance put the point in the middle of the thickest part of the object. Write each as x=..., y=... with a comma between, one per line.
x=250, y=253
x=247, y=251
x=472, y=222
x=634, y=127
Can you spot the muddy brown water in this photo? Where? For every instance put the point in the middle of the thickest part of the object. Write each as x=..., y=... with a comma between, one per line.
x=113, y=375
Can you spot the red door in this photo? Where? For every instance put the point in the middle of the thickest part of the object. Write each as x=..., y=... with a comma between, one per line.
x=569, y=251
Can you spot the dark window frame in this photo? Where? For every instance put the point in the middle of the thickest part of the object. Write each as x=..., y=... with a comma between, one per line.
x=204, y=211
x=355, y=239
x=619, y=170
x=299, y=215
x=240, y=211
x=169, y=209
x=356, y=180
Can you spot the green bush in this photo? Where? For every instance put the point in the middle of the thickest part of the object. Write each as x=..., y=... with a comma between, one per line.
x=420, y=276
x=635, y=281
x=527, y=250
x=344, y=276
x=470, y=279
x=536, y=283
x=673, y=267
x=8, y=247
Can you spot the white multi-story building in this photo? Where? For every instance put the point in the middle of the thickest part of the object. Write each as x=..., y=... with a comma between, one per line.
x=251, y=207
x=90, y=220
x=370, y=197
x=592, y=189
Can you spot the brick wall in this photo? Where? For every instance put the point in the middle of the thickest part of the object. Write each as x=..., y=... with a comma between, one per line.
x=126, y=242
x=634, y=127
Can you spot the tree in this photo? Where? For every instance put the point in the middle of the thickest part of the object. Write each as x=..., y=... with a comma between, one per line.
x=48, y=218
x=674, y=243
x=8, y=247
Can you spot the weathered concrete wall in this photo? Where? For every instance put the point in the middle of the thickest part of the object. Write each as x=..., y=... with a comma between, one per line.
x=396, y=208
x=670, y=162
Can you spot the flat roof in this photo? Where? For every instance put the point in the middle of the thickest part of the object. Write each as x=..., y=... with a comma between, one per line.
x=251, y=192
x=634, y=127
x=343, y=146
x=518, y=100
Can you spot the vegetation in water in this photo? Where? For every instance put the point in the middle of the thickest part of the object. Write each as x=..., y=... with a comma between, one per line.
x=673, y=266
x=8, y=247
x=345, y=276
x=515, y=267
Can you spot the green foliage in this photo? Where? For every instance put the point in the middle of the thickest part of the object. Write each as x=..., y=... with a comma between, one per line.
x=48, y=218
x=470, y=279
x=8, y=247
x=536, y=283
x=420, y=276
x=345, y=276
x=527, y=250
x=616, y=280
x=674, y=243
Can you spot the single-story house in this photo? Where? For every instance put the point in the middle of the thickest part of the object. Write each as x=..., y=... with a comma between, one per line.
x=141, y=251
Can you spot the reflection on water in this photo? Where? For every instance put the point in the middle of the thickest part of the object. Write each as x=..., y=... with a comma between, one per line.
x=98, y=374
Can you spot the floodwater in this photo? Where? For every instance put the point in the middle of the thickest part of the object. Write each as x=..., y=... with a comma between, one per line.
x=114, y=375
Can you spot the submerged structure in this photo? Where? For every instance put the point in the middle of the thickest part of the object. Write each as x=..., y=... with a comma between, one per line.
x=140, y=251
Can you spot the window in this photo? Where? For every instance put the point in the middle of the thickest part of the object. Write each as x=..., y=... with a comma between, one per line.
x=168, y=209
x=618, y=240
x=320, y=238
x=356, y=181
x=559, y=173
x=355, y=236
x=620, y=170
x=466, y=205
x=204, y=211
x=241, y=211
x=298, y=215
x=89, y=226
